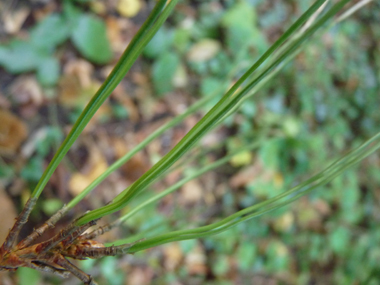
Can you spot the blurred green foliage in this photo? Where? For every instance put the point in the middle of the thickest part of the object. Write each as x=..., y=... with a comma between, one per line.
x=324, y=103
x=28, y=276
x=38, y=53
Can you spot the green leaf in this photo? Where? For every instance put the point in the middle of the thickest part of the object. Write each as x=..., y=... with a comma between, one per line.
x=249, y=109
x=163, y=72
x=52, y=136
x=351, y=196
x=71, y=13
x=181, y=39
x=50, y=32
x=32, y=171
x=246, y=255
x=240, y=24
x=339, y=239
x=210, y=84
x=278, y=256
x=240, y=15
x=159, y=44
x=51, y=206
x=24, y=56
x=221, y=265
x=269, y=154
x=48, y=71
x=120, y=111
x=89, y=37
x=20, y=56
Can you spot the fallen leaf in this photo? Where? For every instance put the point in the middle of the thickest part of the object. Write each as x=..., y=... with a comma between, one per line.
x=281, y=249
x=322, y=207
x=4, y=102
x=126, y=101
x=191, y=192
x=119, y=33
x=27, y=90
x=13, y=20
x=31, y=145
x=283, y=223
x=95, y=166
x=129, y=8
x=81, y=69
x=71, y=92
x=7, y=209
x=246, y=175
x=173, y=256
x=308, y=216
x=204, y=50
x=241, y=159
x=196, y=261
x=180, y=78
x=176, y=104
x=13, y=132
x=174, y=176
x=141, y=276
x=135, y=167
x=278, y=179
x=98, y=7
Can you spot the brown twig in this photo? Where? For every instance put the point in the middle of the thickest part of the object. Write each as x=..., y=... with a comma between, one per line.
x=49, y=224
x=84, y=277
x=21, y=220
x=100, y=231
x=66, y=236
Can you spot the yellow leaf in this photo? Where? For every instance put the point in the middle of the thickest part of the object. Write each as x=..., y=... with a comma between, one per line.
x=96, y=165
x=204, y=50
x=241, y=159
x=283, y=223
x=128, y=8
x=278, y=179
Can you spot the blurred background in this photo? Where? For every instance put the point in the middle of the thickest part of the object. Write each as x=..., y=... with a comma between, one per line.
x=55, y=54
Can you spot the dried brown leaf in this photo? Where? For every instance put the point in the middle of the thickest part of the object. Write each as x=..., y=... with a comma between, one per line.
x=204, y=50
x=26, y=90
x=7, y=209
x=80, y=69
x=191, y=192
x=173, y=256
x=13, y=132
x=13, y=20
x=195, y=261
x=95, y=166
